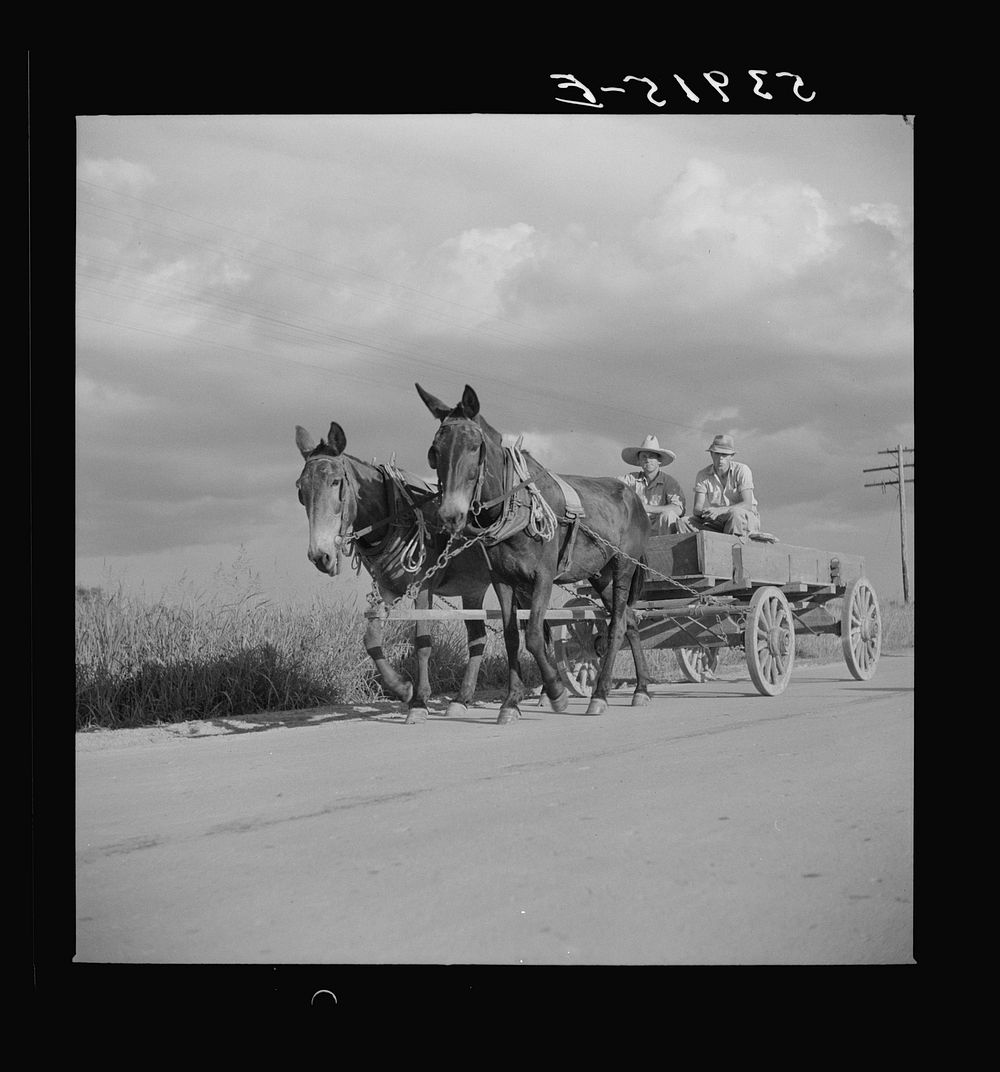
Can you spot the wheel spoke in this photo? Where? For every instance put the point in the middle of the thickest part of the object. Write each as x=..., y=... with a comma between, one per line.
x=860, y=629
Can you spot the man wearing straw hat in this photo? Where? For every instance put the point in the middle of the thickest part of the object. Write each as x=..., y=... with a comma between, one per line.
x=661, y=494
x=723, y=493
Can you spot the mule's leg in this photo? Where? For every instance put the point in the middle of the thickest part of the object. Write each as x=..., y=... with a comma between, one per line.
x=641, y=695
x=391, y=681
x=477, y=645
x=616, y=632
x=509, y=711
x=605, y=590
x=534, y=641
x=417, y=711
x=602, y=585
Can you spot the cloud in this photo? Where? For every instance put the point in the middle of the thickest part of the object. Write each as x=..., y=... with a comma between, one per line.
x=101, y=402
x=751, y=234
x=475, y=267
x=120, y=175
x=572, y=452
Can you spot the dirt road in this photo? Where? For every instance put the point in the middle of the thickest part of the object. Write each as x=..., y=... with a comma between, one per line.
x=716, y=826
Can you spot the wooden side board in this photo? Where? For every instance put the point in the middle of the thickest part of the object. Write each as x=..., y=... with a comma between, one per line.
x=714, y=554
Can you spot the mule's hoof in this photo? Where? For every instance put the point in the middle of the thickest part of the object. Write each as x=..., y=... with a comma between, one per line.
x=507, y=715
x=456, y=709
x=416, y=714
x=561, y=702
x=640, y=699
x=597, y=707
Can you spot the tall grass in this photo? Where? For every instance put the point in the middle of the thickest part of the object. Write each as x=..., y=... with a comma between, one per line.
x=204, y=657
x=237, y=653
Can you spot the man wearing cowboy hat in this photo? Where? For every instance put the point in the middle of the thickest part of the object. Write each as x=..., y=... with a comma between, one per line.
x=661, y=494
x=723, y=493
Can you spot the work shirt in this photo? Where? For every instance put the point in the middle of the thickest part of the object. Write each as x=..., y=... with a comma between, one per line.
x=727, y=492
x=662, y=490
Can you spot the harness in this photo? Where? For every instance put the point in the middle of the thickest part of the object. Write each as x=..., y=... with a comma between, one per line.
x=523, y=505
x=404, y=545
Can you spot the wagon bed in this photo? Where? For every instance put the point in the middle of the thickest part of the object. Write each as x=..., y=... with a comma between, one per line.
x=706, y=590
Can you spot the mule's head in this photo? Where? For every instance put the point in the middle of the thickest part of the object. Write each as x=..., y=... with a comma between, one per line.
x=325, y=491
x=458, y=455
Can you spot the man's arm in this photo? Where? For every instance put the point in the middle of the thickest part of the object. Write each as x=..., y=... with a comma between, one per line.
x=717, y=513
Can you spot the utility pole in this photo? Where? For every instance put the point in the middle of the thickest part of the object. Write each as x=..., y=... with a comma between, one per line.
x=899, y=451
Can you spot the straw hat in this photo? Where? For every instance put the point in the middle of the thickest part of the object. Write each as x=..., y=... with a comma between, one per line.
x=630, y=455
x=722, y=444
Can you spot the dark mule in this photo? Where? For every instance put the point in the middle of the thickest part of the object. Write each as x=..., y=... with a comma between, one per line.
x=485, y=493
x=389, y=519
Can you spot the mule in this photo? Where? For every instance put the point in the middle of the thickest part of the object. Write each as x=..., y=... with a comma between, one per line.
x=479, y=497
x=389, y=519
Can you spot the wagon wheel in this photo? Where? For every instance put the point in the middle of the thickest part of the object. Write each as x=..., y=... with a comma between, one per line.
x=698, y=664
x=861, y=629
x=579, y=646
x=769, y=640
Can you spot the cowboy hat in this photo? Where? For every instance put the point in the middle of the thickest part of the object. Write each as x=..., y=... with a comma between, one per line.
x=722, y=444
x=630, y=455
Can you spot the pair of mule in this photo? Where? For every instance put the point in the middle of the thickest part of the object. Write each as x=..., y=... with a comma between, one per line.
x=355, y=507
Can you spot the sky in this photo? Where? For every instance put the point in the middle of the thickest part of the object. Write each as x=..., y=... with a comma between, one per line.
x=595, y=279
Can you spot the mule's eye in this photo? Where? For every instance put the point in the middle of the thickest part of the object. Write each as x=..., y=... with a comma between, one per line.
x=432, y=458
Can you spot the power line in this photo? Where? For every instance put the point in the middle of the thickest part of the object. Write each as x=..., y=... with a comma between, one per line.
x=300, y=253
x=559, y=397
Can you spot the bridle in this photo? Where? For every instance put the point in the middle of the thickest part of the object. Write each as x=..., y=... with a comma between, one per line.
x=411, y=549
x=476, y=505
x=513, y=477
x=345, y=541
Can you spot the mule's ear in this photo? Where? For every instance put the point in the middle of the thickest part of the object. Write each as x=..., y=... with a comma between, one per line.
x=304, y=441
x=435, y=405
x=470, y=403
x=335, y=438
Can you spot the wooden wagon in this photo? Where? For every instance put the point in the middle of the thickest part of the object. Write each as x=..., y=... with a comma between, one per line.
x=706, y=591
